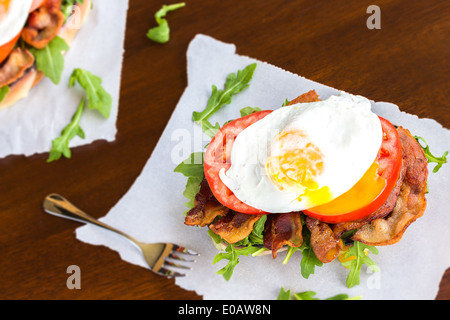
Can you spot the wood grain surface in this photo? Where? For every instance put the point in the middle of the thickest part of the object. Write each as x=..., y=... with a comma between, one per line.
x=406, y=62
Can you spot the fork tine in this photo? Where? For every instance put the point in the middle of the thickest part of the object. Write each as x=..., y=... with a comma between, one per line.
x=176, y=265
x=183, y=250
x=169, y=273
x=177, y=257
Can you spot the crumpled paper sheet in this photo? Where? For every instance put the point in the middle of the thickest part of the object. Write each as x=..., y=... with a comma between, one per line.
x=151, y=210
x=29, y=126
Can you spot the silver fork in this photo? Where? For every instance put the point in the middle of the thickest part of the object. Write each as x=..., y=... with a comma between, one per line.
x=157, y=255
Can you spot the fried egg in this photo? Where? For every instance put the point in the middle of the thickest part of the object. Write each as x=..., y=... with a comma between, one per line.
x=304, y=155
x=13, y=16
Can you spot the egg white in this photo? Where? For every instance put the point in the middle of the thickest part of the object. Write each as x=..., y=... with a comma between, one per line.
x=14, y=20
x=343, y=127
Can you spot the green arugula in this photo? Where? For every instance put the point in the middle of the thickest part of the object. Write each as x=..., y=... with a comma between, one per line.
x=431, y=158
x=248, y=246
x=309, y=259
x=232, y=255
x=234, y=84
x=3, y=92
x=359, y=254
x=248, y=110
x=60, y=145
x=50, y=60
x=311, y=295
x=251, y=245
x=209, y=129
x=161, y=33
x=192, y=168
x=97, y=96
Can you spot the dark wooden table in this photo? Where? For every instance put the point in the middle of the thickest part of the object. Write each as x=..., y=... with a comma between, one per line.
x=405, y=62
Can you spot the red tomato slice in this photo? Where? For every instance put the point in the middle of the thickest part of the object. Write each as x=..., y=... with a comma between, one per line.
x=351, y=205
x=217, y=157
x=6, y=49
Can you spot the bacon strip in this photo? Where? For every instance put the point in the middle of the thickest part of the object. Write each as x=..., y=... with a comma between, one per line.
x=43, y=24
x=310, y=96
x=206, y=207
x=411, y=202
x=324, y=242
x=282, y=229
x=235, y=226
x=14, y=68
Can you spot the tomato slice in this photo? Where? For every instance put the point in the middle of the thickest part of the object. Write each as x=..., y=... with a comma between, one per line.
x=6, y=49
x=217, y=156
x=373, y=190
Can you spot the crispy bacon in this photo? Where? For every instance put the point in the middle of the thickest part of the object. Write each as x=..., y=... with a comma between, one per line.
x=324, y=242
x=310, y=96
x=235, y=226
x=43, y=24
x=411, y=202
x=14, y=68
x=206, y=207
x=282, y=229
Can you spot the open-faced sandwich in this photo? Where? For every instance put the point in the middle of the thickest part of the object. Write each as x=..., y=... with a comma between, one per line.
x=32, y=35
x=328, y=177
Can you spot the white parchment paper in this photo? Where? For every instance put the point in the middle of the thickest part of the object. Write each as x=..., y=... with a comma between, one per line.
x=31, y=124
x=152, y=209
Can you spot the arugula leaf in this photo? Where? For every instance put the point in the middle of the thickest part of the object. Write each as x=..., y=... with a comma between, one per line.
x=289, y=253
x=3, y=92
x=311, y=295
x=50, y=60
x=309, y=259
x=190, y=191
x=161, y=33
x=209, y=129
x=248, y=110
x=97, y=96
x=249, y=245
x=234, y=84
x=256, y=236
x=60, y=145
x=309, y=262
x=439, y=160
x=358, y=254
x=232, y=255
x=192, y=168
x=284, y=295
x=307, y=295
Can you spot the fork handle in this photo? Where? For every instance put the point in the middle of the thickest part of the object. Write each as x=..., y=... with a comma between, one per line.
x=59, y=206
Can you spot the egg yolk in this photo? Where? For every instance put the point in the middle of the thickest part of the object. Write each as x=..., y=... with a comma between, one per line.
x=296, y=166
x=4, y=6
x=360, y=195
